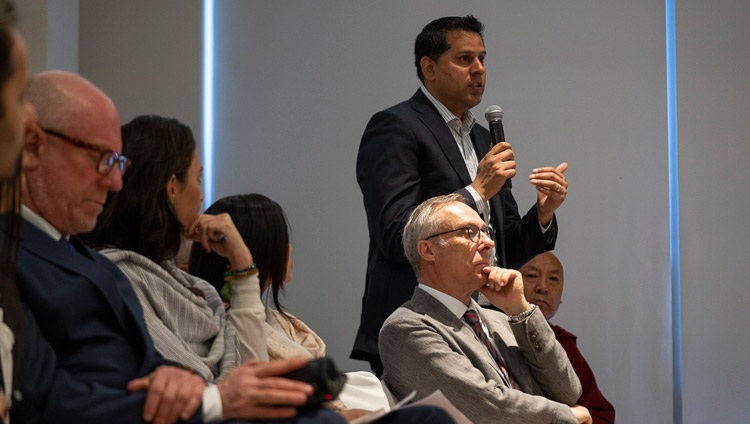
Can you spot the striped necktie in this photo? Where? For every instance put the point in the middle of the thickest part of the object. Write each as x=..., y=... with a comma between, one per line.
x=472, y=318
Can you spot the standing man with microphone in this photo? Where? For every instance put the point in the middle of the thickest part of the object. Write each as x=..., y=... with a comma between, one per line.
x=429, y=145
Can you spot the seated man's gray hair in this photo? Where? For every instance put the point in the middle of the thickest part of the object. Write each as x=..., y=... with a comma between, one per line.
x=423, y=222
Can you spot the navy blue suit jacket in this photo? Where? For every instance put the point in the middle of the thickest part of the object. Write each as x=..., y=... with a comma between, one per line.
x=86, y=336
x=408, y=155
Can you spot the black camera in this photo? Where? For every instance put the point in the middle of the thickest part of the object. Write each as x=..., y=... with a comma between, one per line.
x=325, y=378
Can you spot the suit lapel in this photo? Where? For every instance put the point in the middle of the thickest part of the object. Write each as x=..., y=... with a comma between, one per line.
x=481, y=146
x=102, y=274
x=443, y=136
x=507, y=346
x=423, y=303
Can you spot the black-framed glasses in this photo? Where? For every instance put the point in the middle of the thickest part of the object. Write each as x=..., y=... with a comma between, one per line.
x=472, y=231
x=107, y=158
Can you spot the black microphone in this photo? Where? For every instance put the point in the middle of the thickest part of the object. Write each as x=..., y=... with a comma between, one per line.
x=494, y=116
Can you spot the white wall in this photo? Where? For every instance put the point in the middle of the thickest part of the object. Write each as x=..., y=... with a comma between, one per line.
x=146, y=55
x=580, y=81
x=50, y=28
x=713, y=88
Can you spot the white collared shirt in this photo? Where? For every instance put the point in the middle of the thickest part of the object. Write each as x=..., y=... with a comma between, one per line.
x=40, y=223
x=461, y=130
x=458, y=309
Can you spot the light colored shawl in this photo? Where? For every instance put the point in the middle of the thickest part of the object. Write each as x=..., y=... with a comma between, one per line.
x=287, y=336
x=186, y=328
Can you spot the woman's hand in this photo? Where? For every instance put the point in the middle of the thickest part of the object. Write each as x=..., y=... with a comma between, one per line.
x=218, y=233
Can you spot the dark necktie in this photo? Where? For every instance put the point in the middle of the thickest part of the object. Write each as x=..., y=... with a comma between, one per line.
x=472, y=318
x=67, y=245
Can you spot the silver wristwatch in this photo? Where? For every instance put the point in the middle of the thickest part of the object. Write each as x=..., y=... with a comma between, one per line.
x=523, y=315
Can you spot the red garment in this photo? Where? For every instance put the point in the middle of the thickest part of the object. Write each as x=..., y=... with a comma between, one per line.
x=600, y=409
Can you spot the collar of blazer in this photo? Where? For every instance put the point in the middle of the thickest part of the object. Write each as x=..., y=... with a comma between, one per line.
x=442, y=134
x=90, y=265
x=501, y=334
x=444, y=138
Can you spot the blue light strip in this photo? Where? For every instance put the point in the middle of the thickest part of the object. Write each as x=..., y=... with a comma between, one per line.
x=674, y=214
x=208, y=102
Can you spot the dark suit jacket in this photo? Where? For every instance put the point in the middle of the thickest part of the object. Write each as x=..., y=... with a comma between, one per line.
x=408, y=155
x=425, y=347
x=86, y=336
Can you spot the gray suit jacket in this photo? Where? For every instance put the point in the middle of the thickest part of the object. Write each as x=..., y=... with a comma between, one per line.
x=424, y=347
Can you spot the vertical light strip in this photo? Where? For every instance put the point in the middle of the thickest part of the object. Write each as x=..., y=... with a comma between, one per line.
x=674, y=213
x=208, y=102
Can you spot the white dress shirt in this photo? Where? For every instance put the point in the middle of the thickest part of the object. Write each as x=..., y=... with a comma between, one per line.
x=461, y=130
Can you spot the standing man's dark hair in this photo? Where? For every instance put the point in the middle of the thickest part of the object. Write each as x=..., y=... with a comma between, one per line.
x=431, y=42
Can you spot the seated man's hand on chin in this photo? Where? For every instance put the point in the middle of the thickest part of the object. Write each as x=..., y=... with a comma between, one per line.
x=172, y=393
x=255, y=390
x=505, y=290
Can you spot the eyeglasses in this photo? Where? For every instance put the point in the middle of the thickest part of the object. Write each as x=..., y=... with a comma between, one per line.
x=472, y=231
x=107, y=158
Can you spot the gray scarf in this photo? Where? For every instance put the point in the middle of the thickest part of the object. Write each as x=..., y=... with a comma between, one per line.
x=186, y=328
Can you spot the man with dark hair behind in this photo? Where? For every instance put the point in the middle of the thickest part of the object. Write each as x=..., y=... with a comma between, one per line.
x=543, y=279
x=429, y=145
x=15, y=110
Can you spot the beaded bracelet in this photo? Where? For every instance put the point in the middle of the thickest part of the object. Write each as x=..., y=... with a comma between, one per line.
x=231, y=274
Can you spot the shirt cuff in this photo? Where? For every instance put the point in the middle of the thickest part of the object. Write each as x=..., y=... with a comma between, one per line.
x=549, y=225
x=212, y=410
x=482, y=206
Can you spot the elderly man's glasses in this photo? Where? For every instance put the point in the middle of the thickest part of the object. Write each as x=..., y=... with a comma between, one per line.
x=107, y=158
x=472, y=231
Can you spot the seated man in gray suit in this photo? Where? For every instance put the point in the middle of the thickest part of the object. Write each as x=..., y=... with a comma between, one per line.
x=493, y=367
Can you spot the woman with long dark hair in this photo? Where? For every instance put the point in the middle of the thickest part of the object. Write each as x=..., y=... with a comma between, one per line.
x=264, y=228
x=15, y=111
x=140, y=230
